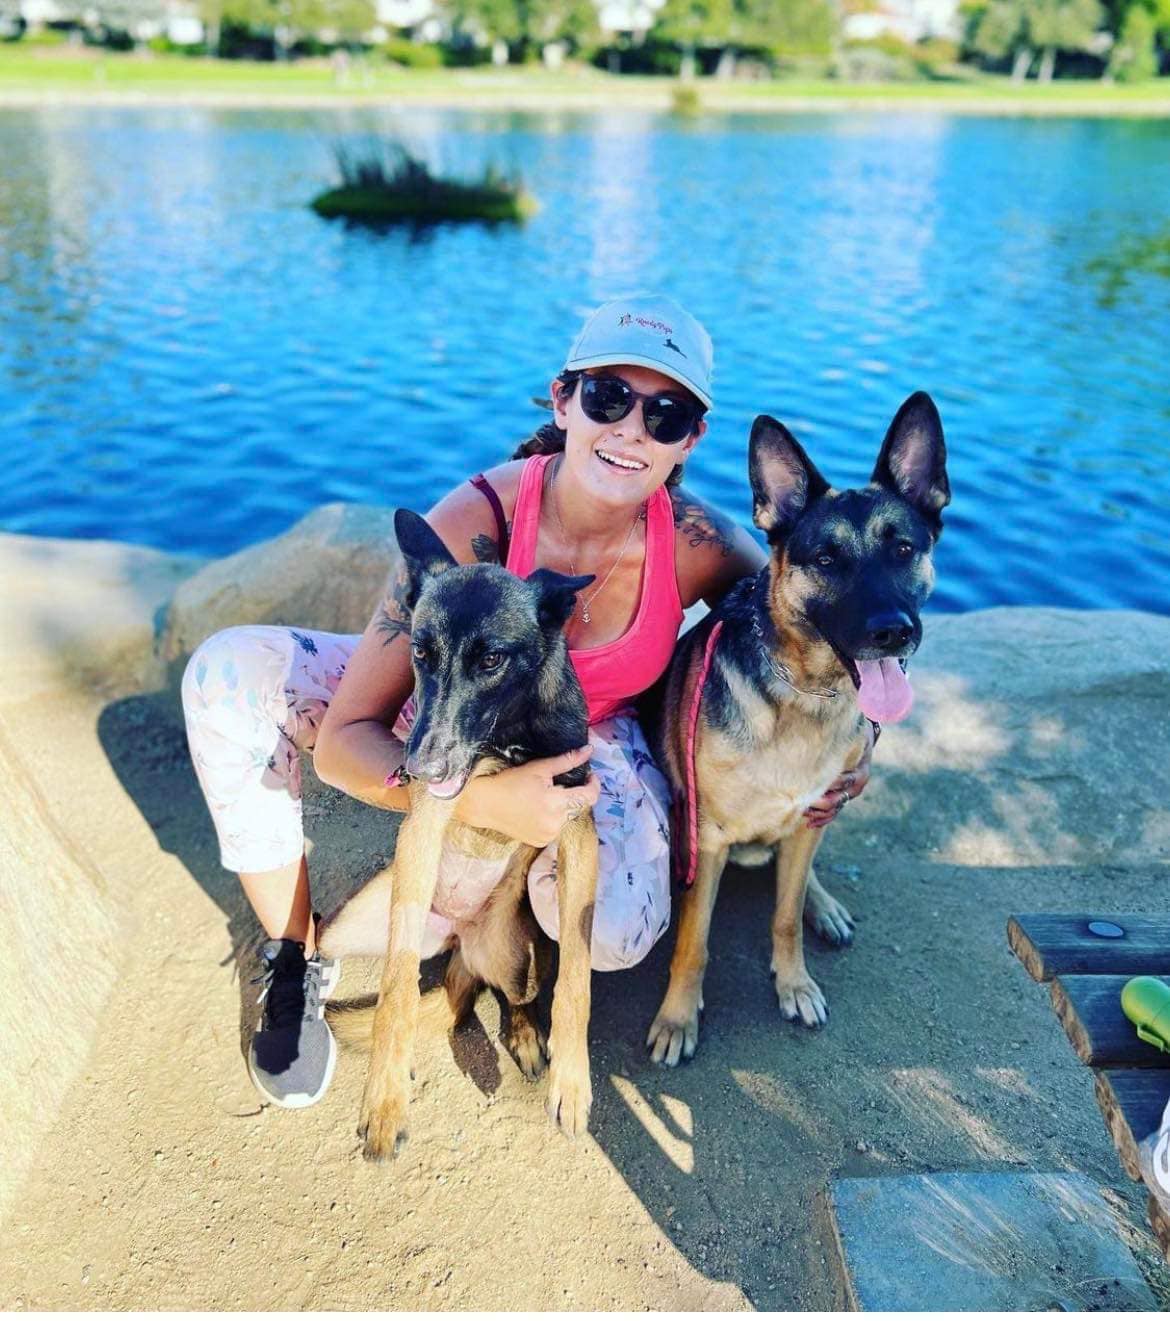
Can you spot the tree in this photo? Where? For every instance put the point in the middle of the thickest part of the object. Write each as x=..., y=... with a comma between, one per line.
x=526, y=25
x=1134, y=56
x=287, y=20
x=1022, y=28
x=690, y=24
x=790, y=27
x=783, y=26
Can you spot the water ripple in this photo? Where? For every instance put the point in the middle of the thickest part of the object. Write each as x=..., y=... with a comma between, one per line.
x=189, y=358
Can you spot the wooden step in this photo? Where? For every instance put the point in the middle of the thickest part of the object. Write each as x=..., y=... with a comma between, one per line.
x=1089, y=1009
x=980, y=1242
x=1053, y=944
x=1132, y=1101
x=1160, y=1224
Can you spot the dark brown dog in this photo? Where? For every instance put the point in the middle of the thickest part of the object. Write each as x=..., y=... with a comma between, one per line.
x=493, y=687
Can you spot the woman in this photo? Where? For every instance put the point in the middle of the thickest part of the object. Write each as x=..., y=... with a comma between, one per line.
x=595, y=491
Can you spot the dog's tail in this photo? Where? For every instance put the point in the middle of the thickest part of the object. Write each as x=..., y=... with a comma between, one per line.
x=352, y=1023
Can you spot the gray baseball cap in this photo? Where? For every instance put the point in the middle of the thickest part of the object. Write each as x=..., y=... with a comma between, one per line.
x=646, y=330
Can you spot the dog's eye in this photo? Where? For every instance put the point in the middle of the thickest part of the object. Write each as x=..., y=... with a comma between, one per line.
x=491, y=660
x=419, y=652
x=825, y=558
x=904, y=549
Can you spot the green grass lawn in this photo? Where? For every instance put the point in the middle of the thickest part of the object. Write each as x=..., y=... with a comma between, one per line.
x=31, y=71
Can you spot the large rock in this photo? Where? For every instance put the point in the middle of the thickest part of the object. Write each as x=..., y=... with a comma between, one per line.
x=82, y=612
x=1039, y=736
x=61, y=923
x=326, y=572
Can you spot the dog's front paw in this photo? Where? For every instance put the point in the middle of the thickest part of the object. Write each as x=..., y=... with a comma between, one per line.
x=382, y=1125
x=570, y=1095
x=674, y=1034
x=801, y=1000
x=526, y=1042
x=829, y=918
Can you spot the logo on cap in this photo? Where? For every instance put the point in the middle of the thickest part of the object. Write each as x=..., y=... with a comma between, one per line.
x=650, y=323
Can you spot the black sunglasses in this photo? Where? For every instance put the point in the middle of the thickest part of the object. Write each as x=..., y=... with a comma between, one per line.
x=668, y=418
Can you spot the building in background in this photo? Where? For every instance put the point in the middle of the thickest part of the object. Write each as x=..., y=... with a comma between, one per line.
x=909, y=20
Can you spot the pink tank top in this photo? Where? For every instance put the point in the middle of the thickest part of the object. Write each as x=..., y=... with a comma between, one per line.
x=613, y=674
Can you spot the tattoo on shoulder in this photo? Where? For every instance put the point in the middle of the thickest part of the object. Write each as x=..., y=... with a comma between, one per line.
x=700, y=524
x=487, y=549
x=393, y=618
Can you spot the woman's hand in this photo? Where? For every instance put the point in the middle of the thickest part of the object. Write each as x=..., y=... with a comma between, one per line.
x=523, y=803
x=847, y=786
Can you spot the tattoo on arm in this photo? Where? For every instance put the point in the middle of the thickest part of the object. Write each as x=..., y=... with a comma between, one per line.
x=701, y=525
x=393, y=619
x=487, y=550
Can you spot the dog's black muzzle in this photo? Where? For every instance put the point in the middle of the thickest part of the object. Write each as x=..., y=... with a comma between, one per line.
x=437, y=756
x=890, y=633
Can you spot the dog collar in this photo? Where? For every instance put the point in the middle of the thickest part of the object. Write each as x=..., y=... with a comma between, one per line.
x=782, y=672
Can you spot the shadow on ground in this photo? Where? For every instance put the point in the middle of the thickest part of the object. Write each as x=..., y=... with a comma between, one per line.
x=939, y=1054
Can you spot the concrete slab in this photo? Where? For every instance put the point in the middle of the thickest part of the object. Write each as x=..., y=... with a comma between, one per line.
x=982, y=1242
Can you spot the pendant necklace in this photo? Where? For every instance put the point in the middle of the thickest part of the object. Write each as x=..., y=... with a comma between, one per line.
x=586, y=603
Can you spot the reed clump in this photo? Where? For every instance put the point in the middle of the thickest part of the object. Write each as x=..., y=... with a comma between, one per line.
x=381, y=182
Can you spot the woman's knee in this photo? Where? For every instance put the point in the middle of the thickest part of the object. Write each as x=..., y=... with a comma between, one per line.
x=238, y=660
x=623, y=939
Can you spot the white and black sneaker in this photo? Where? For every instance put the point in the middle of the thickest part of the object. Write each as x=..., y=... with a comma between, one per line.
x=293, y=1053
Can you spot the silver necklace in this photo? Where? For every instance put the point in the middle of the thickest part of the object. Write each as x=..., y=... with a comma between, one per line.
x=783, y=673
x=585, y=604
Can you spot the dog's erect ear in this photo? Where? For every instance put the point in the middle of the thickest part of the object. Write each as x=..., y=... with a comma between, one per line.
x=556, y=594
x=913, y=461
x=785, y=480
x=423, y=552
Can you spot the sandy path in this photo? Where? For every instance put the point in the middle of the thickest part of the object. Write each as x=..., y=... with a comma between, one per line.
x=164, y=1184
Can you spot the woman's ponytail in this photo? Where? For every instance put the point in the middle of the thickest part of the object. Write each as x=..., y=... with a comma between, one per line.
x=549, y=438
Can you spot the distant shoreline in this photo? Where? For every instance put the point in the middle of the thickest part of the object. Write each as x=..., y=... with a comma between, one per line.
x=991, y=107
x=55, y=77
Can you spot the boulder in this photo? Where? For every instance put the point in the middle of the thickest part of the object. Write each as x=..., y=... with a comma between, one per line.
x=1038, y=736
x=61, y=924
x=326, y=572
x=82, y=612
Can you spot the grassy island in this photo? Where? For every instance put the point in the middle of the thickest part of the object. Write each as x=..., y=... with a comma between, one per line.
x=385, y=184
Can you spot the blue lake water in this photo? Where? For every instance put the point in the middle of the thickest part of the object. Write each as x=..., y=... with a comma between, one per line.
x=189, y=358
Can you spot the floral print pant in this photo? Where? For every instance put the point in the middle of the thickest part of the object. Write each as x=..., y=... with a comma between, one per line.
x=253, y=699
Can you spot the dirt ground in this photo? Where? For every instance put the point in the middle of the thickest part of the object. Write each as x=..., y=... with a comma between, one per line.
x=161, y=1182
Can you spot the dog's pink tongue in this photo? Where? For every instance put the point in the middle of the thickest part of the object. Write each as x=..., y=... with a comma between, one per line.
x=446, y=788
x=885, y=694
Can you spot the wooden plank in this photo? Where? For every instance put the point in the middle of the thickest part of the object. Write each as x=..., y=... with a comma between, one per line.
x=1160, y=1223
x=1089, y=1009
x=1132, y=1101
x=981, y=1242
x=1052, y=944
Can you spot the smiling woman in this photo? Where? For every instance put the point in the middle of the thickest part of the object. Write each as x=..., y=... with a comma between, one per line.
x=596, y=493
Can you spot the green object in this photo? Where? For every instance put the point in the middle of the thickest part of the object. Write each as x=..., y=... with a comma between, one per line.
x=378, y=204
x=381, y=182
x=1145, y=1001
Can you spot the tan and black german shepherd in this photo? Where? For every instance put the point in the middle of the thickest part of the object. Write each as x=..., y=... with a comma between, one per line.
x=766, y=698
x=493, y=687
